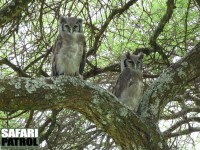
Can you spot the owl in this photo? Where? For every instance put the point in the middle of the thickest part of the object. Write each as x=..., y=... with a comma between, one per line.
x=69, y=50
x=129, y=86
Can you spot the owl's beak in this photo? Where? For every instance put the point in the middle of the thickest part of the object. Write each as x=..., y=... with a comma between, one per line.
x=135, y=66
x=71, y=30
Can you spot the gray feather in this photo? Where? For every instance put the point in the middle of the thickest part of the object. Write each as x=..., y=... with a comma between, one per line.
x=69, y=50
x=129, y=85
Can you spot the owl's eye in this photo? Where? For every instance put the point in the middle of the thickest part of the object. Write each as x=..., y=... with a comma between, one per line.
x=66, y=25
x=75, y=26
x=130, y=61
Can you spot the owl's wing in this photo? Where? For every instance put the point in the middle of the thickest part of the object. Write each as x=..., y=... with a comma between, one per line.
x=83, y=60
x=124, y=80
x=55, y=51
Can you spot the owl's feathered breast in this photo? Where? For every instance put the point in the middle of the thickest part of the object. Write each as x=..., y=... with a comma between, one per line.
x=129, y=87
x=127, y=78
x=72, y=44
x=68, y=52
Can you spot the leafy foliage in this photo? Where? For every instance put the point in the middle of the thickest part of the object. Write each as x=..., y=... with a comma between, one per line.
x=111, y=28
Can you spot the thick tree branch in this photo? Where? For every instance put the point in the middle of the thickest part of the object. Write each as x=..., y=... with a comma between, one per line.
x=98, y=105
x=11, y=10
x=171, y=82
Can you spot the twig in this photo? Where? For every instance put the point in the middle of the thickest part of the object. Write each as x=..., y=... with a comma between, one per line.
x=116, y=11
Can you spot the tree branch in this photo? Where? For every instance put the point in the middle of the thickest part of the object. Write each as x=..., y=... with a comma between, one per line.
x=112, y=68
x=106, y=23
x=163, y=21
x=179, y=124
x=46, y=135
x=98, y=105
x=96, y=71
x=183, y=132
x=180, y=113
x=198, y=2
x=11, y=10
x=14, y=67
x=171, y=82
x=159, y=29
x=168, y=133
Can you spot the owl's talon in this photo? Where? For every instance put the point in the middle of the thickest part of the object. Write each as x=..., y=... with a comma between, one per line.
x=78, y=75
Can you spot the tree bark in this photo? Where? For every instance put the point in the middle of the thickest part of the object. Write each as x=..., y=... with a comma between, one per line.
x=172, y=81
x=97, y=104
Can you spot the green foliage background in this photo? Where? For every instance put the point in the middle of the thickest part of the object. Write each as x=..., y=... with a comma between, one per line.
x=26, y=41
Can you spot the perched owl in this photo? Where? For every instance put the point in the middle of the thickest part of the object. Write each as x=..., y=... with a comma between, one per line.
x=69, y=50
x=129, y=86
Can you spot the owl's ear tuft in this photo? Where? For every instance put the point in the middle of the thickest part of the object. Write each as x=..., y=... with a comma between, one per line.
x=62, y=19
x=79, y=20
x=128, y=55
x=143, y=50
x=141, y=55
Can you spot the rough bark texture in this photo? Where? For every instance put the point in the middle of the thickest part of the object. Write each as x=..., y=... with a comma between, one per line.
x=98, y=105
x=170, y=82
